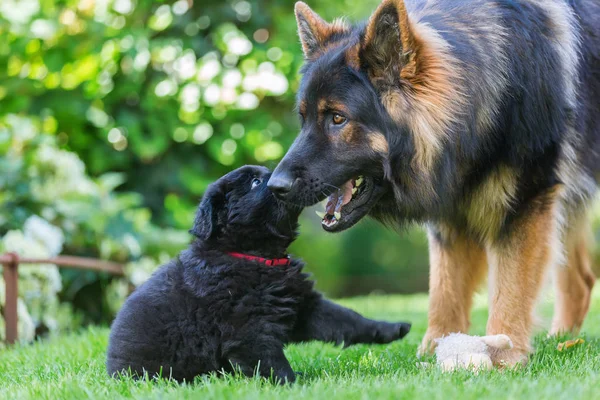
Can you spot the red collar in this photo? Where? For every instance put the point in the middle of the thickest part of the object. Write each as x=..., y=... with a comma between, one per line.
x=271, y=262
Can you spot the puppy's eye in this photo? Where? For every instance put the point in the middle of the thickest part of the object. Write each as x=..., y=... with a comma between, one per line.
x=256, y=182
x=338, y=119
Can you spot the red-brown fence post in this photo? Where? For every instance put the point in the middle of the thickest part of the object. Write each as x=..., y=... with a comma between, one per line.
x=11, y=282
x=11, y=262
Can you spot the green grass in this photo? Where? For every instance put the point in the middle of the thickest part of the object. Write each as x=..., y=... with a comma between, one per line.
x=73, y=367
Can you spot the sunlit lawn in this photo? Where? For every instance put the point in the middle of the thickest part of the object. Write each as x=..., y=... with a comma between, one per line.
x=73, y=367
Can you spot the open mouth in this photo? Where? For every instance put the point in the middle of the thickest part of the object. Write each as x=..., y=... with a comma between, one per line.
x=350, y=203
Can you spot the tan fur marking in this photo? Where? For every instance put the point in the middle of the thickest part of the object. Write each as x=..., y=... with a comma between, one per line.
x=334, y=106
x=406, y=35
x=317, y=25
x=322, y=106
x=325, y=105
x=433, y=101
x=575, y=280
x=352, y=57
x=378, y=143
x=489, y=204
x=457, y=267
x=433, y=78
x=349, y=133
x=332, y=44
x=302, y=107
x=517, y=268
x=321, y=30
x=488, y=37
x=321, y=109
x=339, y=25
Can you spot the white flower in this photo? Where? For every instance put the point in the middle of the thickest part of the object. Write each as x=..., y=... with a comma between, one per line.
x=19, y=11
x=16, y=241
x=22, y=128
x=58, y=173
x=39, y=284
x=132, y=244
x=239, y=45
x=25, y=324
x=141, y=270
x=42, y=231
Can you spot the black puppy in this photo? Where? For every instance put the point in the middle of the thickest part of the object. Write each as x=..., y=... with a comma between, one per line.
x=233, y=299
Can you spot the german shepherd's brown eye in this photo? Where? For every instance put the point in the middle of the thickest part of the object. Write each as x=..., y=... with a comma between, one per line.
x=338, y=119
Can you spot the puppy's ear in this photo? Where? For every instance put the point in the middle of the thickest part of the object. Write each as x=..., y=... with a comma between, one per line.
x=206, y=222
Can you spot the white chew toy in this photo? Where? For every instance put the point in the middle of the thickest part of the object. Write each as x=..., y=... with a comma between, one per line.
x=460, y=351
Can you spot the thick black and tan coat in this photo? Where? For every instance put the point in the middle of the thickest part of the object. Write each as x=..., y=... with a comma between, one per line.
x=477, y=118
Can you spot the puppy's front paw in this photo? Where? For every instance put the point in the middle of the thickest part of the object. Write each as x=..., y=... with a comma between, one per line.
x=403, y=329
x=284, y=378
x=390, y=332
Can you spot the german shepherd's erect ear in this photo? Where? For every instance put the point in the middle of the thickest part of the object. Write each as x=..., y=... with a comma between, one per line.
x=314, y=31
x=389, y=46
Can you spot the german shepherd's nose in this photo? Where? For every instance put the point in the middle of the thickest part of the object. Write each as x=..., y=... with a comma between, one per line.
x=280, y=183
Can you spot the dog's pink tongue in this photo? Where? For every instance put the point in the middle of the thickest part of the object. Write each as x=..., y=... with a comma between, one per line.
x=347, y=191
x=339, y=198
x=332, y=202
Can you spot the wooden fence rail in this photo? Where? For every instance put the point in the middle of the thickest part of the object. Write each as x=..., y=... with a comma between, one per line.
x=11, y=263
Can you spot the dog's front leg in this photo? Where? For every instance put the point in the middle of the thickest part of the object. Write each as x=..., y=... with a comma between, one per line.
x=457, y=266
x=329, y=322
x=518, y=263
x=265, y=358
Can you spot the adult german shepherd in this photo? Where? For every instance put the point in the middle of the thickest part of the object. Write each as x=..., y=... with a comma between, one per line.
x=479, y=118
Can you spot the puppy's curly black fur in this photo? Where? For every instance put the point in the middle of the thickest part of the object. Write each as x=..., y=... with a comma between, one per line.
x=208, y=311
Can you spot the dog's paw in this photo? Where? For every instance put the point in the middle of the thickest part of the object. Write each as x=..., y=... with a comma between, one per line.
x=284, y=378
x=428, y=344
x=508, y=359
x=402, y=328
x=393, y=331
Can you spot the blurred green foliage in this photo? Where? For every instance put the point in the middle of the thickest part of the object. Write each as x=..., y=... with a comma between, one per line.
x=116, y=114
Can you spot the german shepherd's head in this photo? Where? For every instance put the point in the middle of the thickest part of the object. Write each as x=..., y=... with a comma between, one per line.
x=362, y=105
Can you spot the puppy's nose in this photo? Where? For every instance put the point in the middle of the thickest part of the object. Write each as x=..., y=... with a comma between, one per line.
x=280, y=184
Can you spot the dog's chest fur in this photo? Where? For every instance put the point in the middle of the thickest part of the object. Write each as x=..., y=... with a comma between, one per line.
x=242, y=290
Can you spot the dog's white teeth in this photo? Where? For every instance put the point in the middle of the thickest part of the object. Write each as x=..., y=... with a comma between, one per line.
x=354, y=190
x=321, y=214
x=359, y=181
x=337, y=215
x=329, y=222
